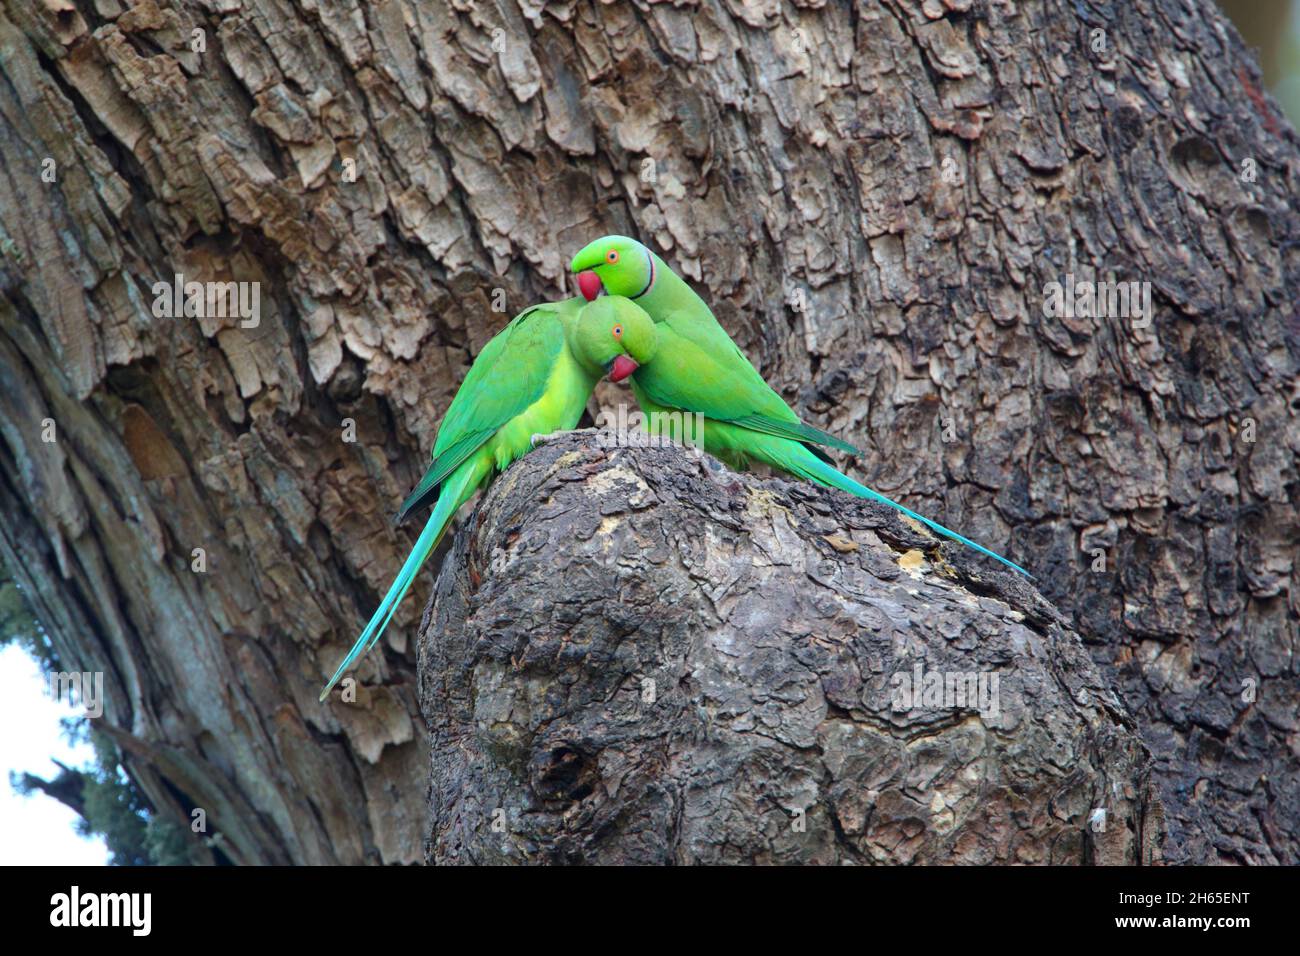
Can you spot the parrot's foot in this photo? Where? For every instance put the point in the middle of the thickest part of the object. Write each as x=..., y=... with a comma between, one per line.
x=543, y=439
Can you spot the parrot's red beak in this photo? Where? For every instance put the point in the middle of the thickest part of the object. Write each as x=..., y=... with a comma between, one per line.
x=589, y=285
x=622, y=368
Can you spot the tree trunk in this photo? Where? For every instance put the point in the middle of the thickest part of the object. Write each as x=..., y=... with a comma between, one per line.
x=640, y=657
x=872, y=196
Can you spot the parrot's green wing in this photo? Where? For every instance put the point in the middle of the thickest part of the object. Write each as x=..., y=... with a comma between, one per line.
x=796, y=430
x=440, y=468
x=698, y=370
x=510, y=374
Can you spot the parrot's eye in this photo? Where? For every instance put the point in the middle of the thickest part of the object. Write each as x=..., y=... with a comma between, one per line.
x=618, y=331
x=612, y=256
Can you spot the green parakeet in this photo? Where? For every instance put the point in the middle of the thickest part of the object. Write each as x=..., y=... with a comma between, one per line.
x=680, y=360
x=525, y=381
x=627, y=268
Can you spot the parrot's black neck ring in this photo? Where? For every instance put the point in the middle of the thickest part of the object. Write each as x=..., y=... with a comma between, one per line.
x=648, y=285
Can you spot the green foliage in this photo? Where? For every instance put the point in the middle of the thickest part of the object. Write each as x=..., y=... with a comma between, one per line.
x=166, y=843
x=110, y=805
x=116, y=812
x=19, y=625
x=112, y=808
x=134, y=836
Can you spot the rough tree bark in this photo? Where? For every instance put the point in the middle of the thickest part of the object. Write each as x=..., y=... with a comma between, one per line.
x=639, y=657
x=871, y=195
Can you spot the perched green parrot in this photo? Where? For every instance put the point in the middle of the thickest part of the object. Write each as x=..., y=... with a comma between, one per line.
x=624, y=267
x=526, y=381
x=680, y=360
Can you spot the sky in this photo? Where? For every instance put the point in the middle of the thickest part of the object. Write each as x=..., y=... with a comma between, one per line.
x=37, y=830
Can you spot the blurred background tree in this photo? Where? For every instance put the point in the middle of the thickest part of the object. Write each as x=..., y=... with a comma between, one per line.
x=1272, y=27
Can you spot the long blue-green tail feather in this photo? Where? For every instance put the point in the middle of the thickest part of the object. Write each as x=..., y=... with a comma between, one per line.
x=455, y=491
x=798, y=460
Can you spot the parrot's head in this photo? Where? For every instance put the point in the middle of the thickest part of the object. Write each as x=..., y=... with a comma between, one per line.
x=614, y=336
x=621, y=265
